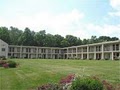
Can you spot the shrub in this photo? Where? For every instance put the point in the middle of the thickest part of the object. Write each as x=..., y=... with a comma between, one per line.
x=87, y=83
x=3, y=58
x=2, y=62
x=6, y=65
x=12, y=64
x=50, y=87
x=107, y=85
x=67, y=79
x=71, y=82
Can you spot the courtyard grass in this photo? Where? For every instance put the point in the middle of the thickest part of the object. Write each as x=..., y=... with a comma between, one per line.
x=32, y=73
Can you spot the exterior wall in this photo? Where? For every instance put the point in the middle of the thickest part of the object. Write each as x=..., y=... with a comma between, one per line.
x=3, y=49
x=34, y=52
x=105, y=50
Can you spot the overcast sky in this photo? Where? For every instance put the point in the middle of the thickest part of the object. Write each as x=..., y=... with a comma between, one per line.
x=81, y=18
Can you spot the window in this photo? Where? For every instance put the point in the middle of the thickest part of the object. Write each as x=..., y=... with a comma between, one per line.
x=3, y=49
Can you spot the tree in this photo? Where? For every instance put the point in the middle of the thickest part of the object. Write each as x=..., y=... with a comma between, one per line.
x=72, y=40
x=79, y=41
x=114, y=38
x=4, y=34
x=49, y=40
x=26, y=38
x=104, y=38
x=14, y=33
x=93, y=40
x=40, y=38
x=64, y=43
x=58, y=39
x=85, y=41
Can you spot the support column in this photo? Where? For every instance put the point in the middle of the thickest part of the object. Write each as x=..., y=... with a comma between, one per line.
x=72, y=53
x=81, y=53
x=87, y=52
x=67, y=53
x=28, y=54
x=46, y=53
x=94, y=56
x=51, y=54
x=111, y=47
x=102, y=52
x=76, y=53
x=94, y=52
x=112, y=56
x=36, y=52
x=20, y=51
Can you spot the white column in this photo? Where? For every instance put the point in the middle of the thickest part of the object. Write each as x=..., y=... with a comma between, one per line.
x=94, y=56
x=76, y=53
x=111, y=47
x=102, y=51
x=87, y=52
x=82, y=53
x=112, y=56
x=72, y=53
x=67, y=53
x=94, y=52
x=46, y=53
x=21, y=52
x=51, y=53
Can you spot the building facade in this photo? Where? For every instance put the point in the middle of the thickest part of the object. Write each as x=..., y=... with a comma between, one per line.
x=3, y=49
x=98, y=51
x=105, y=50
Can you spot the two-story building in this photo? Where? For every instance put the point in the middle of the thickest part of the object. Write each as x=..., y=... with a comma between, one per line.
x=105, y=50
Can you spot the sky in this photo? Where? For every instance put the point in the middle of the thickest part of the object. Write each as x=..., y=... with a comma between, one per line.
x=81, y=18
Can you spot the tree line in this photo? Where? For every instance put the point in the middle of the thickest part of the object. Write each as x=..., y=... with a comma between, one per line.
x=15, y=36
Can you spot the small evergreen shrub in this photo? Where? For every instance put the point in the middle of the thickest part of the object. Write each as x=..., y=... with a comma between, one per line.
x=87, y=83
x=12, y=64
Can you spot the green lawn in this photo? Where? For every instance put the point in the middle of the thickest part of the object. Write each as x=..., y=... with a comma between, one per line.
x=33, y=72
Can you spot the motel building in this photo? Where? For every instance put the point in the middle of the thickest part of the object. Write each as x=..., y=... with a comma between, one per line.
x=109, y=50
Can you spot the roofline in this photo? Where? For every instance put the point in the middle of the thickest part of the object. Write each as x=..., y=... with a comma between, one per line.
x=107, y=42
x=3, y=41
x=33, y=46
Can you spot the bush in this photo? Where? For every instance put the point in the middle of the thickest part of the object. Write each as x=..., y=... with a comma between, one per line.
x=108, y=86
x=67, y=79
x=86, y=84
x=12, y=64
x=50, y=87
x=71, y=82
x=2, y=62
x=3, y=58
x=6, y=65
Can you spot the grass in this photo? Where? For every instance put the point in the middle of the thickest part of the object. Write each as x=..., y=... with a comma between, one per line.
x=34, y=72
